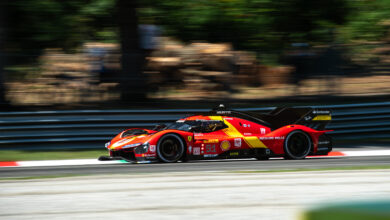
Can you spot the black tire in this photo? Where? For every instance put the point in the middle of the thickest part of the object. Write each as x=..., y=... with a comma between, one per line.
x=170, y=148
x=297, y=145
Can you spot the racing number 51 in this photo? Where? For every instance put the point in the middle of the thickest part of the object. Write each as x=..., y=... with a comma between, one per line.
x=210, y=148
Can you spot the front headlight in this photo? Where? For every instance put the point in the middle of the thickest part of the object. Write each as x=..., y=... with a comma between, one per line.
x=131, y=145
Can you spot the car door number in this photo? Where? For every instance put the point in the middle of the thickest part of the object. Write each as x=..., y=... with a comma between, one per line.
x=210, y=148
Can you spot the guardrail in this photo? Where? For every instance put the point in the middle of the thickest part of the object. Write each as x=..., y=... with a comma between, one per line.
x=92, y=128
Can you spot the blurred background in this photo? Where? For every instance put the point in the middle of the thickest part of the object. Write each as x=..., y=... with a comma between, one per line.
x=75, y=73
x=118, y=53
x=171, y=54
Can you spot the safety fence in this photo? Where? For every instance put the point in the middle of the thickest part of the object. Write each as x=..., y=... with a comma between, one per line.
x=81, y=129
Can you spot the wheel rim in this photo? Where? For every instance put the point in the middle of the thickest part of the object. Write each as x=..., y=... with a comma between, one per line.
x=298, y=145
x=170, y=149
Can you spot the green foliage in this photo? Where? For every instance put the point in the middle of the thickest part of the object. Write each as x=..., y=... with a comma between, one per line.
x=251, y=24
x=33, y=25
x=259, y=25
x=370, y=20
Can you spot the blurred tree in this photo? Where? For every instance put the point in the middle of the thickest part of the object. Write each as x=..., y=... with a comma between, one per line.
x=267, y=26
x=37, y=24
x=368, y=20
x=2, y=57
x=133, y=86
x=251, y=24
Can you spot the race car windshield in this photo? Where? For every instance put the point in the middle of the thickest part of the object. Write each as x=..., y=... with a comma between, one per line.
x=203, y=126
x=179, y=126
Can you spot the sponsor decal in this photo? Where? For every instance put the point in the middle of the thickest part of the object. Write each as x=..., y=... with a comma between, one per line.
x=189, y=138
x=321, y=112
x=307, y=118
x=180, y=121
x=196, y=151
x=244, y=125
x=210, y=148
x=225, y=145
x=212, y=141
x=190, y=148
x=262, y=130
x=324, y=142
x=152, y=148
x=234, y=153
x=228, y=118
x=272, y=138
x=210, y=155
x=237, y=142
x=198, y=134
x=247, y=133
x=224, y=112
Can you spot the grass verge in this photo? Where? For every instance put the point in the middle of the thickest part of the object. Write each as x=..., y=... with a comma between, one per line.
x=23, y=155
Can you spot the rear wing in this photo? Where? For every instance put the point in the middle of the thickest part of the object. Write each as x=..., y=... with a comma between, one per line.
x=316, y=119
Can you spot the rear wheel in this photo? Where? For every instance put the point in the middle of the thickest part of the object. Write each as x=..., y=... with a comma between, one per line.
x=170, y=148
x=297, y=145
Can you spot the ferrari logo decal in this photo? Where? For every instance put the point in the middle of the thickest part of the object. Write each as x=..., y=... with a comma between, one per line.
x=189, y=138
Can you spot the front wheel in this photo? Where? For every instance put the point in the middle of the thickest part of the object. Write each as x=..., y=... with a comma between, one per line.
x=170, y=148
x=297, y=145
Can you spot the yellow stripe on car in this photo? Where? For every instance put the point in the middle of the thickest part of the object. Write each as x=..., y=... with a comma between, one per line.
x=231, y=131
x=322, y=118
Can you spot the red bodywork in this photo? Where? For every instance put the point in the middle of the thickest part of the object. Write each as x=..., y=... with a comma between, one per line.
x=240, y=138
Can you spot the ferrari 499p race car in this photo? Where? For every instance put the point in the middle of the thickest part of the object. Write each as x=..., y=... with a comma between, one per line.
x=292, y=133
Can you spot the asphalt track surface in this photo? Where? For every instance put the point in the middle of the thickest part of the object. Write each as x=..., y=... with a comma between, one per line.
x=191, y=166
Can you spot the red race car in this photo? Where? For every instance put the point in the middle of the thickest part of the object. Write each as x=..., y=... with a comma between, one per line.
x=292, y=133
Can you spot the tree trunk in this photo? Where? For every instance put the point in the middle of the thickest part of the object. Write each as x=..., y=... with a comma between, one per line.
x=133, y=86
x=2, y=53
